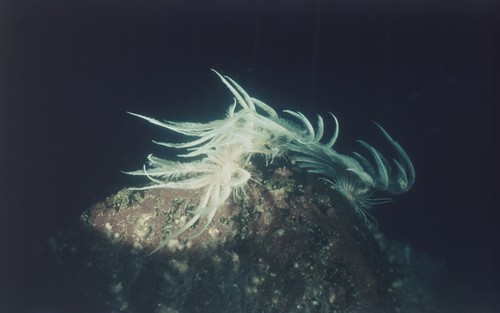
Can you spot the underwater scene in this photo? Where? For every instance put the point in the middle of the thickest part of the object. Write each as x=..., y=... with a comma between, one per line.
x=248, y=156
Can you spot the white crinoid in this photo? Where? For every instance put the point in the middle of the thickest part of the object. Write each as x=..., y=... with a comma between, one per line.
x=217, y=175
x=221, y=150
x=356, y=178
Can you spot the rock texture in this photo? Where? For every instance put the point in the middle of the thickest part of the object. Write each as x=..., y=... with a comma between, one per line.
x=293, y=246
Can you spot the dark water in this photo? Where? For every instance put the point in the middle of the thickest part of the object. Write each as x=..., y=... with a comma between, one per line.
x=425, y=70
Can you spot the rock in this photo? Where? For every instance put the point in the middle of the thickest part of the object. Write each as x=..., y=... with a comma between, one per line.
x=293, y=246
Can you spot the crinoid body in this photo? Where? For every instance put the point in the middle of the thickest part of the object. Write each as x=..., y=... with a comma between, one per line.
x=222, y=150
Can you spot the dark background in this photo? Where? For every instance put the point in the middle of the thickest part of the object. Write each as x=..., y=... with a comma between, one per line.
x=425, y=70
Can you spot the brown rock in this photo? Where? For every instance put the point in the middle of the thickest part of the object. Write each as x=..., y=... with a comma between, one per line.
x=293, y=246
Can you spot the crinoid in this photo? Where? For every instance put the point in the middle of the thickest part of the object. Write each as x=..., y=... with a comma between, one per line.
x=221, y=150
x=356, y=178
x=217, y=175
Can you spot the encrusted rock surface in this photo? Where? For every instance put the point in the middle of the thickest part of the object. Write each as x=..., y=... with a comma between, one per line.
x=293, y=246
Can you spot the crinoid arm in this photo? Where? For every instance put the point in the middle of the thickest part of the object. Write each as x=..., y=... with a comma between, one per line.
x=395, y=180
x=406, y=172
x=239, y=93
